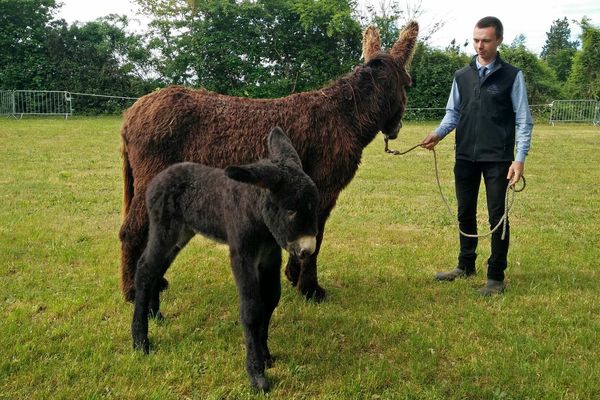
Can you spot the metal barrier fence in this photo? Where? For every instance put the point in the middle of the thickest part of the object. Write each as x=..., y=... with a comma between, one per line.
x=7, y=102
x=575, y=111
x=17, y=103
x=539, y=112
x=35, y=102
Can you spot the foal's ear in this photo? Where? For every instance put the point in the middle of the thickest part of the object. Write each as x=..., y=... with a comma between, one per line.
x=371, y=44
x=265, y=176
x=404, y=47
x=281, y=148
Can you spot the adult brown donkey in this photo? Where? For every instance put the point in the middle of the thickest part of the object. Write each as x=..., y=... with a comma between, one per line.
x=329, y=128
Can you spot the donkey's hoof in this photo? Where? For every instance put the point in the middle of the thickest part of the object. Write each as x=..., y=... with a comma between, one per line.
x=260, y=383
x=315, y=293
x=292, y=273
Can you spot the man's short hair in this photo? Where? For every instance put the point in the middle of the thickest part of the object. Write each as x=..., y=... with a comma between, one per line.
x=486, y=22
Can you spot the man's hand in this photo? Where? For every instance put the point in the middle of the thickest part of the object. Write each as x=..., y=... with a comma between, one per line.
x=515, y=172
x=430, y=141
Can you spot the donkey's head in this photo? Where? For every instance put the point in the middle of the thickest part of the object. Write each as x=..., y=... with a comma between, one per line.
x=292, y=199
x=389, y=68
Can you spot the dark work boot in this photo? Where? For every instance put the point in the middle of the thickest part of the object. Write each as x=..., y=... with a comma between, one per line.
x=492, y=288
x=452, y=275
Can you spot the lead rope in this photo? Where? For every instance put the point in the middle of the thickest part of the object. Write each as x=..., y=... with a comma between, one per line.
x=508, y=199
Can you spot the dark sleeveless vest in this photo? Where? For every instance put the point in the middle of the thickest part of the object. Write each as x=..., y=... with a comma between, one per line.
x=486, y=128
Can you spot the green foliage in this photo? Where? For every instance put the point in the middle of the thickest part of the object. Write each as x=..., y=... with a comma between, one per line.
x=253, y=48
x=541, y=82
x=386, y=331
x=558, y=51
x=432, y=71
x=23, y=26
x=584, y=81
x=96, y=57
x=38, y=53
x=266, y=48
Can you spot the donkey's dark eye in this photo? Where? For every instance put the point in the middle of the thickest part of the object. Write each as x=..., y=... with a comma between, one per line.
x=291, y=214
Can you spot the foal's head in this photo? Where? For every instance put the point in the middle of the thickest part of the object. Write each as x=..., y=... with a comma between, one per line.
x=292, y=201
x=389, y=68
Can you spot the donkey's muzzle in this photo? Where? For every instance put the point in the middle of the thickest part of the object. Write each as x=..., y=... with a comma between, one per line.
x=303, y=247
x=392, y=135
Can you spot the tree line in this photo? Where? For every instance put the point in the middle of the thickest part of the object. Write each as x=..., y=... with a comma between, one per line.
x=257, y=48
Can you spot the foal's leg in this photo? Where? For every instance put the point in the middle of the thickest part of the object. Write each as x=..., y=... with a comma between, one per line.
x=252, y=312
x=270, y=289
x=154, y=306
x=151, y=267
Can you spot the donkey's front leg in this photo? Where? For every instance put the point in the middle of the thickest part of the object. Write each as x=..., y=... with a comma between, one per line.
x=252, y=312
x=303, y=273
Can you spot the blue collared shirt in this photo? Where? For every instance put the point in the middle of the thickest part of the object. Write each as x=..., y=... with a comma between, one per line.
x=524, y=122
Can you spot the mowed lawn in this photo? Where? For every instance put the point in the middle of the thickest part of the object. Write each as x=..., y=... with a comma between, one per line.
x=386, y=330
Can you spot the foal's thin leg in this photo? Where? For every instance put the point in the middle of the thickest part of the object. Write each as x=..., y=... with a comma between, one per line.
x=252, y=315
x=144, y=282
x=150, y=268
x=270, y=289
x=154, y=306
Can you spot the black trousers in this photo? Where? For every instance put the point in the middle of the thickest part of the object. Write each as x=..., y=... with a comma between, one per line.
x=467, y=176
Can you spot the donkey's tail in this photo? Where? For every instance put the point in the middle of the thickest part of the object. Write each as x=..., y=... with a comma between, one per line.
x=127, y=181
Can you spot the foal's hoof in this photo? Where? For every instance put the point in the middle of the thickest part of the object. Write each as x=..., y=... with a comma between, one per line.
x=260, y=383
x=269, y=361
x=157, y=316
x=142, y=344
x=315, y=293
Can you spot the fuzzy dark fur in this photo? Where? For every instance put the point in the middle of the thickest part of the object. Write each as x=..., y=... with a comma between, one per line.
x=329, y=128
x=275, y=208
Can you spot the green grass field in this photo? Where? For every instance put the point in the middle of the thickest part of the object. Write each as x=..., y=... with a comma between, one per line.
x=386, y=331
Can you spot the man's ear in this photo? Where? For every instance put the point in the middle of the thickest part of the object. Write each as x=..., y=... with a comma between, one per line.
x=263, y=175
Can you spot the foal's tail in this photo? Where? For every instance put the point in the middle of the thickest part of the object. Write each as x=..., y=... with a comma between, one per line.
x=127, y=181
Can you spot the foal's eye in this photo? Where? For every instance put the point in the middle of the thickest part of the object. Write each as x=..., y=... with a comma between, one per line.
x=291, y=214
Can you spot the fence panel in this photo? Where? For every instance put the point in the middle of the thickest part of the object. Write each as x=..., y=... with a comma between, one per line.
x=7, y=102
x=575, y=111
x=35, y=102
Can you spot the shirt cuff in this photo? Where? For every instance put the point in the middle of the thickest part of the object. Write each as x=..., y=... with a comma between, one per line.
x=521, y=156
x=441, y=132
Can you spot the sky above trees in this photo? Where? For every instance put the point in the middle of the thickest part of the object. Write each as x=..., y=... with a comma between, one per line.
x=528, y=18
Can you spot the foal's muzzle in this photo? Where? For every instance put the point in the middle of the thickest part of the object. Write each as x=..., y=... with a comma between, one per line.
x=303, y=247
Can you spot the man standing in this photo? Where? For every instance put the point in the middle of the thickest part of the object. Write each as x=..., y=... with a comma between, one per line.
x=489, y=109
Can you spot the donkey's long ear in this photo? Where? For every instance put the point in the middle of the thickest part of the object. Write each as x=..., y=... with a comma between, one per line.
x=371, y=44
x=281, y=148
x=404, y=47
x=261, y=174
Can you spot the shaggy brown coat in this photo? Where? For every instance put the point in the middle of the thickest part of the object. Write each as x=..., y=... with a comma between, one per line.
x=329, y=128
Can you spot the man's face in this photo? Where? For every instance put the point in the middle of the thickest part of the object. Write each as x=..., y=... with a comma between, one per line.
x=485, y=43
